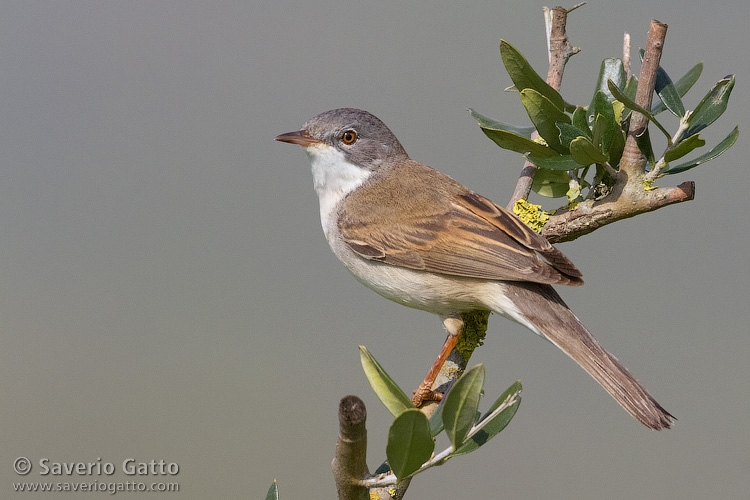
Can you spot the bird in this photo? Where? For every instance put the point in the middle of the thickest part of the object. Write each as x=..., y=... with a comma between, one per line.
x=419, y=238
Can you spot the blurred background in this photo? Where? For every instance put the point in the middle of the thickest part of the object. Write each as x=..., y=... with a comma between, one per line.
x=166, y=292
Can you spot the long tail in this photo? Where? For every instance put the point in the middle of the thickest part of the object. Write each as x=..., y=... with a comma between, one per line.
x=541, y=309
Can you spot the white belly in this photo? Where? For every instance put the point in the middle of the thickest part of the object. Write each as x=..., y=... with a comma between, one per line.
x=436, y=293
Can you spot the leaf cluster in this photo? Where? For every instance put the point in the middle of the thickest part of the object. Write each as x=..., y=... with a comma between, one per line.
x=576, y=140
x=411, y=437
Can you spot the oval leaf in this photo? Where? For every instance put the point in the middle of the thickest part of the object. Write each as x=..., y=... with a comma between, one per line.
x=682, y=85
x=461, y=403
x=564, y=162
x=727, y=143
x=581, y=121
x=436, y=420
x=611, y=69
x=585, y=152
x=524, y=76
x=386, y=389
x=644, y=144
x=631, y=88
x=551, y=183
x=711, y=107
x=569, y=132
x=668, y=94
x=517, y=143
x=609, y=124
x=410, y=443
x=493, y=424
x=688, y=79
x=684, y=147
x=544, y=115
x=616, y=147
x=489, y=123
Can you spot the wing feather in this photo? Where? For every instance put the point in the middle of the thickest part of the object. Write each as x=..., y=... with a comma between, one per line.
x=455, y=232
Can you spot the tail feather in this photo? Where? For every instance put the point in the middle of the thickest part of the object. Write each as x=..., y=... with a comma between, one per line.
x=541, y=309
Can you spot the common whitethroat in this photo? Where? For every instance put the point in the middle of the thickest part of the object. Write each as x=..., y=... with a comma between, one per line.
x=419, y=238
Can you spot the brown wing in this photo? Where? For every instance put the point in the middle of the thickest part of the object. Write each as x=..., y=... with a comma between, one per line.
x=459, y=233
x=522, y=234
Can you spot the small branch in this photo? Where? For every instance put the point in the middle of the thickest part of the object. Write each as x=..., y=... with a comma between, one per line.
x=387, y=490
x=626, y=54
x=385, y=480
x=630, y=195
x=559, y=51
x=591, y=215
x=654, y=173
x=633, y=163
x=350, y=460
x=559, y=46
x=525, y=180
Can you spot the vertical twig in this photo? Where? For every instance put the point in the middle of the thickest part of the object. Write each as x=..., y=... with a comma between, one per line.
x=626, y=54
x=350, y=459
x=633, y=162
x=559, y=51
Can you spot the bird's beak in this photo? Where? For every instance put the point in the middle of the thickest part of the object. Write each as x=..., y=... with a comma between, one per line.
x=300, y=137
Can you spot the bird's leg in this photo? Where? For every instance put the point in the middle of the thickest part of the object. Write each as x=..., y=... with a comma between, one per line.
x=454, y=325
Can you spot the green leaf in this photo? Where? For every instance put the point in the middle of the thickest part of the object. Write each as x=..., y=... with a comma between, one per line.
x=581, y=121
x=517, y=143
x=551, y=183
x=584, y=152
x=631, y=88
x=668, y=94
x=493, y=427
x=644, y=144
x=461, y=403
x=273, y=492
x=727, y=143
x=410, y=443
x=564, y=162
x=489, y=123
x=669, y=97
x=602, y=105
x=436, y=421
x=609, y=125
x=684, y=147
x=524, y=76
x=629, y=103
x=569, y=132
x=611, y=69
x=544, y=115
x=598, y=130
x=687, y=80
x=711, y=107
x=616, y=147
x=386, y=389
x=682, y=85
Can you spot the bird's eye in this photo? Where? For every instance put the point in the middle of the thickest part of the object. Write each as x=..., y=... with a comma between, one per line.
x=349, y=137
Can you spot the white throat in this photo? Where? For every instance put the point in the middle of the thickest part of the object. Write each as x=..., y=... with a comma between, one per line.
x=334, y=177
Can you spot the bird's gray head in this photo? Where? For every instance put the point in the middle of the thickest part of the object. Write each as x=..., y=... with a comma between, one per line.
x=361, y=137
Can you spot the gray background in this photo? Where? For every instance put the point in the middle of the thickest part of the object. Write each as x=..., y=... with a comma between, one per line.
x=166, y=291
